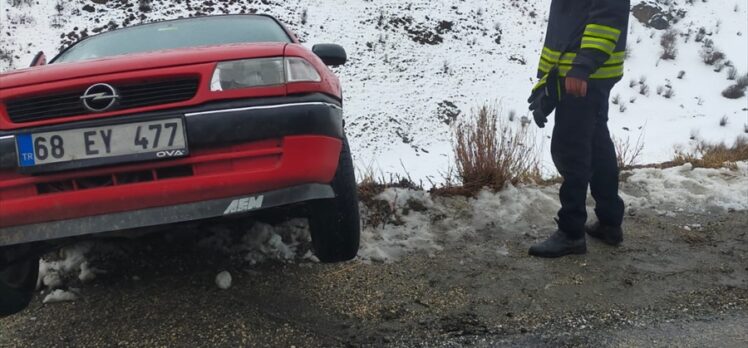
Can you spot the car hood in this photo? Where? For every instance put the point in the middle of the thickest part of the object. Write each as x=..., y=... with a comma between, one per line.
x=140, y=61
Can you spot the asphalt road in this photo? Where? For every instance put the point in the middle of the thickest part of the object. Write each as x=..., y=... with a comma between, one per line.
x=666, y=286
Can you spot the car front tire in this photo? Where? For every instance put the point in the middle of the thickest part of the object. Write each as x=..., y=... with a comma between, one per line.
x=17, y=281
x=335, y=223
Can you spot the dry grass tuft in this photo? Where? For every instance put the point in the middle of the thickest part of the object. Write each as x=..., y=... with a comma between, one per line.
x=628, y=153
x=490, y=154
x=381, y=212
x=707, y=155
x=669, y=44
x=737, y=90
x=371, y=184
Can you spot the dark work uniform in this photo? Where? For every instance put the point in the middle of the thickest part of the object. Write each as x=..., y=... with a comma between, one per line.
x=586, y=39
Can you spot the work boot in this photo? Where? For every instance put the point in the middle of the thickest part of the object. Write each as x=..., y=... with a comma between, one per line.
x=610, y=235
x=559, y=244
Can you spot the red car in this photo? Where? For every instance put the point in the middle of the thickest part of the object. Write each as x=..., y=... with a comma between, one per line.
x=170, y=122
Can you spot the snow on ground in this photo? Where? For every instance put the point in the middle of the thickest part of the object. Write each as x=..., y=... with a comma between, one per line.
x=688, y=188
x=417, y=66
x=522, y=209
x=69, y=261
x=223, y=280
x=420, y=223
x=260, y=242
x=60, y=295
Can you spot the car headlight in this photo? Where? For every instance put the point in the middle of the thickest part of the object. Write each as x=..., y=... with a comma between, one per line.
x=299, y=70
x=262, y=72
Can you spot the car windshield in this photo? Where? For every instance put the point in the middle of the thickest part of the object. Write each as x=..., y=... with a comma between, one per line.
x=203, y=31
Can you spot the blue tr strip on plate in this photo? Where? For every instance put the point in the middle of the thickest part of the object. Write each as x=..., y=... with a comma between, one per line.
x=25, y=150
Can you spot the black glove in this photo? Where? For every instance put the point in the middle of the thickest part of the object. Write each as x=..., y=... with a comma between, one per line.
x=545, y=98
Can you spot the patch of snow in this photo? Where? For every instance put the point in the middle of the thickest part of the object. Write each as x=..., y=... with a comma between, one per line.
x=310, y=256
x=261, y=242
x=72, y=263
x=514, y=207
x=88, y=273
x=413, y=231
x=688, y=188
x=522, y=209
x=502, y=250
x=60, y=295
x=223, y=280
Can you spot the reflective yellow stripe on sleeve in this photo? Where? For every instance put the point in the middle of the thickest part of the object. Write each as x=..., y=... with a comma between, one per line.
x=568, y=58
x=602, y=31
x=616, y=58
x=612, y=68
x=551, y=54
x=600, y=44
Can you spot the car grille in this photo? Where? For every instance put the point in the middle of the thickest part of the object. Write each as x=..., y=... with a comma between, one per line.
x=132, y=95
x=116, y=179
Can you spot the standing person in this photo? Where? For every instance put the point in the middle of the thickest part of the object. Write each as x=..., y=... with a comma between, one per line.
x=582, y=60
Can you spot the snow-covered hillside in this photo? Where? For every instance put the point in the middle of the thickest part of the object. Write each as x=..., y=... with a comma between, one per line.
x=418, y=66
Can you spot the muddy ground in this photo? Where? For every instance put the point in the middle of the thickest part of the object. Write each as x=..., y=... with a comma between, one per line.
x=666, y=286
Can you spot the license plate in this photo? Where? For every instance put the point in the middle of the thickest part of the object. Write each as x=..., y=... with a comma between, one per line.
x=109, y=144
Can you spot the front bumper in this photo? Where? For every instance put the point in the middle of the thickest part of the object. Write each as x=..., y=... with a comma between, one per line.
x=162, y=215
x=236, y=149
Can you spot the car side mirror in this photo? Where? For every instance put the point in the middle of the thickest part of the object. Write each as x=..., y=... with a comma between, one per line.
x=331, y=54
x=39, y=59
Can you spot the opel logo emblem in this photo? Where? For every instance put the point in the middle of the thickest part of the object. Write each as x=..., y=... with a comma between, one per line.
x=100, y=97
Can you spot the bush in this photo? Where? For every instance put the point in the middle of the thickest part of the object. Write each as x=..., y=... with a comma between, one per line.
x=711, y=55
x=732, y=73
x=733, y=92
x=18, y=3
x=145, y=5
x=57, y=21
x=627, y=153
x=707, y=155
x=669, y=44
x=6, y=56
x=644, y=90
x=723, y=121
x=371, y=185
x=445, y=68
x=743, y=81
x=491, y=154
x=694, y=134
x=380, y=212
x=738, y=89
x=700, y=35
x=669, y=93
